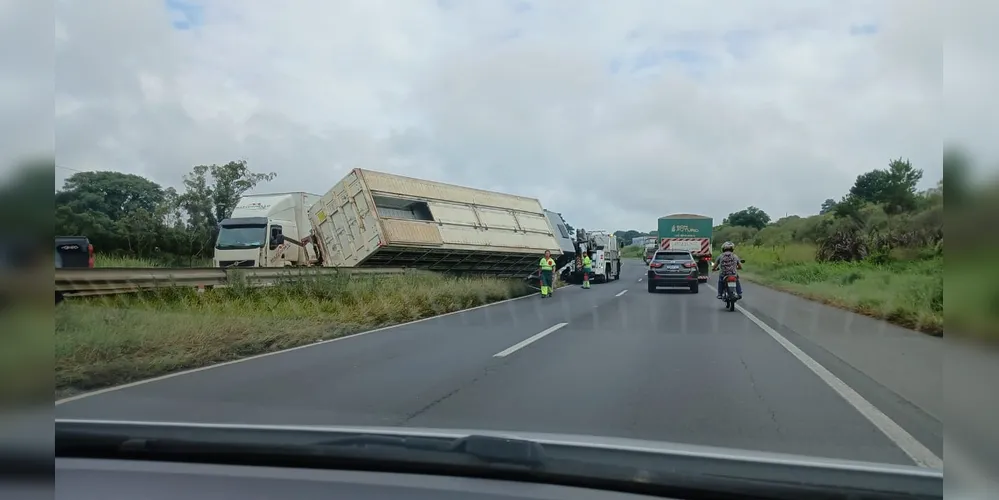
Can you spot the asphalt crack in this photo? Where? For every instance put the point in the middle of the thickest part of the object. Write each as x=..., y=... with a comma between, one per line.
x=759, y=395
x=410, y=416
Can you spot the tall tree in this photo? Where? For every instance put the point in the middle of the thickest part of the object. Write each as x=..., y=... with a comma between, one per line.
x=750, y=217
x=870, y=186
x=900, y=193
x=232, y=181
x=212, y=191
x=827, y=206
x=629, y=235
x=103, y=206
x=894, y=187
x=113, y=194
x=849, y=208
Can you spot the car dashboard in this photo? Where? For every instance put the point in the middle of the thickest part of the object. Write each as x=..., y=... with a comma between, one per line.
x=102, y=479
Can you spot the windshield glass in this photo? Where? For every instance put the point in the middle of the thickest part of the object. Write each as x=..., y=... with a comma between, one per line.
x=241, y=237
x=406, y=169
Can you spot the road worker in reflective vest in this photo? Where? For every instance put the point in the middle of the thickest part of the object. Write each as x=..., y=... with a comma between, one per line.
x=547, y=266
x=587, y=269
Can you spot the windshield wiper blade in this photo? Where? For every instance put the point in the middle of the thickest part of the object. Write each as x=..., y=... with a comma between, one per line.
x=476, y=448
x=485, y=448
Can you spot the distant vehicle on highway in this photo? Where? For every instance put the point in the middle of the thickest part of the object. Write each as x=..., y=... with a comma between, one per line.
x=650, y=251
x=688, y=232
x=74, y=251
x=673, y=268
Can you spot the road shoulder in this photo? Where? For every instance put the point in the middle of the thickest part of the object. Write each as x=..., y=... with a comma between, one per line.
x=898, y=370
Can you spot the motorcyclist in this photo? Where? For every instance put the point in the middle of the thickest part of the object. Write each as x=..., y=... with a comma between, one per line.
x=730, y=263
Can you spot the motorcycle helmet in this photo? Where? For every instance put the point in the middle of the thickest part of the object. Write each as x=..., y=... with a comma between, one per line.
x=728, y=246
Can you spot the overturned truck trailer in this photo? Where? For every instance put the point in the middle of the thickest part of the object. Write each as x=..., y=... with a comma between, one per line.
x=374, y=219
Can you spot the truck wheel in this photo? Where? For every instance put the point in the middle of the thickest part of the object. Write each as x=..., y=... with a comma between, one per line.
x=609, y=273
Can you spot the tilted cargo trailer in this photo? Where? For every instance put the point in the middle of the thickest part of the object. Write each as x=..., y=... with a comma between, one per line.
x=375, y=219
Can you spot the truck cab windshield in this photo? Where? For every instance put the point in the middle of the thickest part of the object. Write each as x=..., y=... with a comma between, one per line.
x=234, y=237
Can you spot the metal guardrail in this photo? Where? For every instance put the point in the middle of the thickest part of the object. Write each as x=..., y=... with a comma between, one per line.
x=111, y=281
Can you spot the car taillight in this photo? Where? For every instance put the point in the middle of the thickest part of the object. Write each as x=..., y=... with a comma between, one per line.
x=689, y=265
x=656, y=265
x=90, y=255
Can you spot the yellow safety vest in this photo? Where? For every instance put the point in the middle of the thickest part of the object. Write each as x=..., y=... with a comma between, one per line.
x=587, y=263
x=547, y=264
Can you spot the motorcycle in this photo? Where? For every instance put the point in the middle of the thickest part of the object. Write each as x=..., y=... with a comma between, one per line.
x=728, y=292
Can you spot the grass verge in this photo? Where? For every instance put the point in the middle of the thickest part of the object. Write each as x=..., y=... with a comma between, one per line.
x=906, y=293
x=104, y=341
x=632, y=252
x=107, y=260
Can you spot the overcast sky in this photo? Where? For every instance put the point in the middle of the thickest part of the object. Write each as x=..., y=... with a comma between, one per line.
x=613, y=113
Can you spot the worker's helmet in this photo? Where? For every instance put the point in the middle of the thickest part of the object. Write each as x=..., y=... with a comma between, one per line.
x=728, y=246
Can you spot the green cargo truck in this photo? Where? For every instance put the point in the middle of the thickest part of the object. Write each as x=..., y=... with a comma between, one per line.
x=688, y=232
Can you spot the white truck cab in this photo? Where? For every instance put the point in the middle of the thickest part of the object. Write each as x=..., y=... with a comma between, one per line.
x=606, y=255
x=267, y=230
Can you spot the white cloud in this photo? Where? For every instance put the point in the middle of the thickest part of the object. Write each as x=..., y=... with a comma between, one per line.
x=761, y=103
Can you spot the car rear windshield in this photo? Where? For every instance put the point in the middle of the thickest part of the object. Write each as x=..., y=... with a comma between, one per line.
x=673, y=256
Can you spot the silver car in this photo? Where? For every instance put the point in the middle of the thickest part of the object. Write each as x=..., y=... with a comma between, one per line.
x=673, y=268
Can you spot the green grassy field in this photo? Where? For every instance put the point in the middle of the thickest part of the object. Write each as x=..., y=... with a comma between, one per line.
x=104, y=341
x=632, y=252
x=907, y=292
x=105, y=260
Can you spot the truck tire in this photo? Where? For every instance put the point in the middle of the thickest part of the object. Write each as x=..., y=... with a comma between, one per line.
x=609, y=273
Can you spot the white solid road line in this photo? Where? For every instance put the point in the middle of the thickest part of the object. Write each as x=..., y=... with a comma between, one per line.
x=249, y=358
x=622, y=292
x=524, y=343
x=919, y=454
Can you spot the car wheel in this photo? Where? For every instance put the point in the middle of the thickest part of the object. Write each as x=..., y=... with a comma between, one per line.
x=652, y=287
x=694, y=288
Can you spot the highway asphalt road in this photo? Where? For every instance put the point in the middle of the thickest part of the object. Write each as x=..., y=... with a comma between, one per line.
x=614, y=360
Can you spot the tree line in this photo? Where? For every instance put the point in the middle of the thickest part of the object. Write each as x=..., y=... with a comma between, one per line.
x=129, y=215
x=881, y=214
x=882, y=217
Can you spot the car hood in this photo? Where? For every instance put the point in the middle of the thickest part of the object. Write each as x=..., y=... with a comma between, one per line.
x=578, y=440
